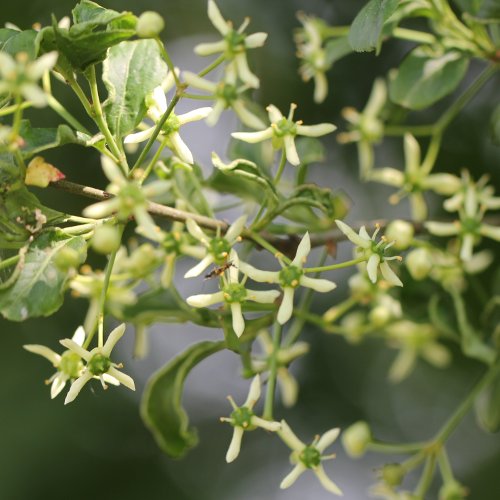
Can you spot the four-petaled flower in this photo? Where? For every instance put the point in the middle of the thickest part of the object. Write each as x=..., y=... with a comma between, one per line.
x=217, y=248
x=234, y=294
x=415, y=180
x=69, y=365
x=233, y=45
x=309, y=457
x=157, y=106
x=283, y=131
x=244, y=419
x=98, y=364
x=373, y=252
x=227, y=94
x=130, y=199
x=289, y=278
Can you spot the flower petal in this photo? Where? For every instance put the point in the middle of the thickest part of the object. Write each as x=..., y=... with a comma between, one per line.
x=326, y=482
x=205, y=299
x=291, y=151
x=289, y=437
x=180, y=147
x=255, y=40
x=235, y=229
x=254, y=137
x=200, y=267
x=123, y=378
x=286, y=308
x=316, y=130
x=389, y=275
x=253, y=393
x=141, y=136
x=327, y=439
x=44, y=351
x=234, y=447
x=77, y=386
x=238, y=319
x=292, y=476
x=216, y=18
x=302, y=251
x=263, y=296
x=371, y=267
x=73, y=346
x=115, y=335
x=58, y=385
x=318, y=285
x=351, y=235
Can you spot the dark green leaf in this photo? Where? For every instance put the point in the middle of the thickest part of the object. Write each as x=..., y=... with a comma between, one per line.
x=41, y=139
x=422, y=79
x=487, y=407
x=95, y=29
x=39, y=288
x=13, y=42
x=337, y=49
x=366, y=29
x=131, y=71
x=161, y=406
x=310, y=150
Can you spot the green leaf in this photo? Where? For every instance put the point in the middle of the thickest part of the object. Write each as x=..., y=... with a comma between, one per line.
x=422, y=79
x=495, y=125
x=487, y=406
x=130, y=72
x=337, y=49
x=41, y=139
x=95, y=29
x=310, y=150
x=367, y=28
x=13, y=42
x=39, y=288
x=161, y=405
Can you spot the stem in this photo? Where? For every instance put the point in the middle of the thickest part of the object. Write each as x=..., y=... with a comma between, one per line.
x=198, y=97
x=212, y=65
x=396, y=448
x=81, y=96
x=445, y=467
x=331, y=267
x=273, y=373
x=414, y=35
x=427, y=475
x=101, y=121
x=9, y=262
x=169, y=62
x=11, y=109
x=156, y=131
x=64, y=113
x=416, y=130
x=432, y=152
x=281, y=167
x=466, y=404
x=265, y=244
x=18, y=115
x=153, y=161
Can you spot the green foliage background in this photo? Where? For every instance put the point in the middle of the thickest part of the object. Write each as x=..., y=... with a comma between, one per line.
x=98, y=446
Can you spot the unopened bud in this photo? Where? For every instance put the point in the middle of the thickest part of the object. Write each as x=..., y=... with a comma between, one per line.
x=106, y=239
x=150, y=24
x=419, y=263
x=401, y=232
x=393, y=474
x=356, y=438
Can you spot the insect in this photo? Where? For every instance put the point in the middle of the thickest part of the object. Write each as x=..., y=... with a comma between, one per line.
x=219, y=270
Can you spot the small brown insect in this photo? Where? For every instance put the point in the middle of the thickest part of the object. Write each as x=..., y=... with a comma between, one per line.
x=219, y=270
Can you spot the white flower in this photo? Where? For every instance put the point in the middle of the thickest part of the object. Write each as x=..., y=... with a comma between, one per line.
x=366, y=127
x=130, y=199
x=283, y=131
x=157, y=106
x=227, y=95
x=69, y=365
x=233, y=45
x=309, y=457
x=20, y=74
x=373, y=251
x=217, y=248
x=98, y=364
x=234, y=293
x=415, y=180
x=284, y=356
x=313, y=55
x=289, y=278
x=244, y=419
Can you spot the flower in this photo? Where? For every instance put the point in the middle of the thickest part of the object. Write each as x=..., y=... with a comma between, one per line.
x=233, y=45
x=68, y=365
x=234, y=293
x=20, y=75
x=366, y=127
x=283, y=131
x=289, y=278
x=374, y=252
x=356, y=439
x=284, y=356
x=217, y=248
x=98, y=364
x=313, y=55
x=309, y=457
x=415, y=180
x=130, y=199
x=471, y=203
x=157, y=106
x=227, y=94
x=244, y=419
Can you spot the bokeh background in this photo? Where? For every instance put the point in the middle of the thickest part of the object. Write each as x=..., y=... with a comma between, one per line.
x=98, y=448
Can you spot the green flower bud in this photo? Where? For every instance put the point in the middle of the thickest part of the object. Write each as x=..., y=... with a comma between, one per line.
x=150, y=24
x=310, y=457
x=99, y=364
x=401, y=232
x=356, y=438
x=68, y=258
x=393, y=474
x=452, y=491
x=106, y=239
x=379, y=316
x=419, y=263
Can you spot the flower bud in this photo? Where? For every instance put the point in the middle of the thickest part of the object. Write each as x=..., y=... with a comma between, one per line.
x=419, y=263
x=356, y=438
x=106, y=239
x=401, y=232
x=452, y=491
x=379, y=316
x=393, y=474
x=68, y=258
x=150, y=24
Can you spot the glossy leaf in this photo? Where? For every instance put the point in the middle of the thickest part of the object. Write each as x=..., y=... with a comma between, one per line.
x=367, y=28
x=422, y=79
x=40, y=139
x=130, y=72
x=161, y=405
x=39, y=288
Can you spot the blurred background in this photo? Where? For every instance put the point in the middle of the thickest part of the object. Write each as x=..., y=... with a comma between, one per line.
x=98, y=448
